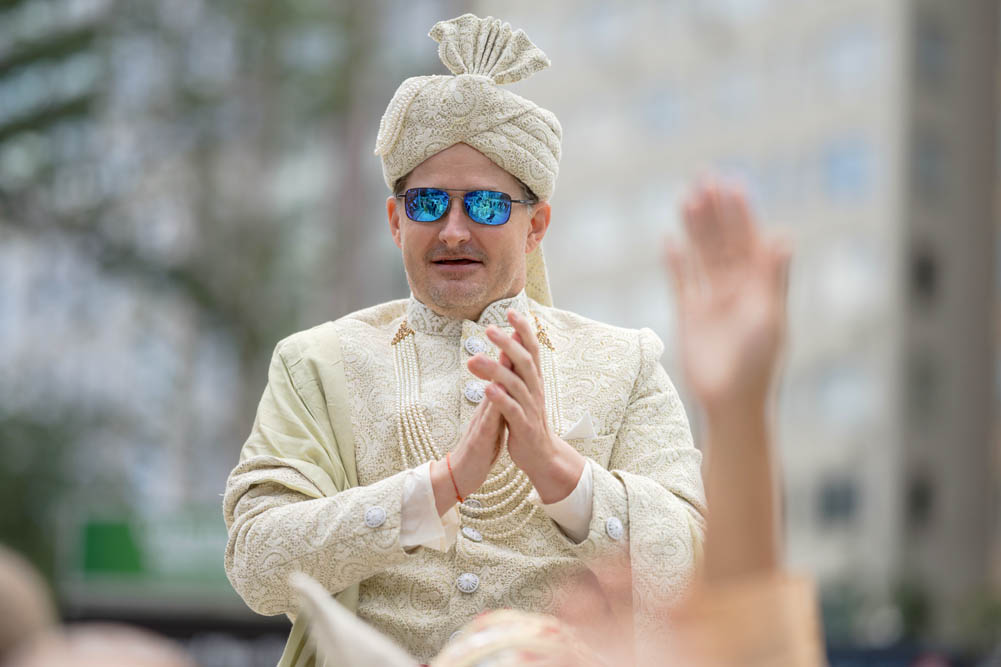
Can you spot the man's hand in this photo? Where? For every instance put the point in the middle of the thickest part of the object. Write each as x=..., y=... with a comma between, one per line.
x=730, y=286
x=471, y=460
x=517, y=391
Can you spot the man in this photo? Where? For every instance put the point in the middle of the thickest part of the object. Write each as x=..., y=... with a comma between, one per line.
x=471, y=447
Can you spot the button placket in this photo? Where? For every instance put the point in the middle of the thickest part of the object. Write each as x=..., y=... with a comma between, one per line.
x=472, y=388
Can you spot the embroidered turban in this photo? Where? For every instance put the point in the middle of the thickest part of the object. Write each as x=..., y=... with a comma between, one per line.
x=431, y=113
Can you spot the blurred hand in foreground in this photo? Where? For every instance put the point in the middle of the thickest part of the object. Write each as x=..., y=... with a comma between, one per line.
x=730, y=286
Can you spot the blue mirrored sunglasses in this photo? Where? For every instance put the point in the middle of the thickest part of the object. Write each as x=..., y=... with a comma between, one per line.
x=486, y=207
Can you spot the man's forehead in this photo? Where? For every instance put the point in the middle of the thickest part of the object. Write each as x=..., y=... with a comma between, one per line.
x=463, y=167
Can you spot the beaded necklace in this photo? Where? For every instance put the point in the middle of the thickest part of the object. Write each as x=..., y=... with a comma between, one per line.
x=501, y=506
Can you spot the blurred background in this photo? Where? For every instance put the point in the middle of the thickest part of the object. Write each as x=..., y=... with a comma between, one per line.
x=184, y=183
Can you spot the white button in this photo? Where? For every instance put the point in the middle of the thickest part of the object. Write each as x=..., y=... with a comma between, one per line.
x=614, y=528
x=472, y=533
x=375, y=516
x=455, y=635
x=467, y=582
x=475, y=391
x=472, y=502
x=475, y=345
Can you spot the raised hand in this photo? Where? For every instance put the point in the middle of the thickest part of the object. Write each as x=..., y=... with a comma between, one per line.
x=730, y=285
x=731, y=288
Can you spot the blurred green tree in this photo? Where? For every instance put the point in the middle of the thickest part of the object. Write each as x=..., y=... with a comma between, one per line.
x=210, y=161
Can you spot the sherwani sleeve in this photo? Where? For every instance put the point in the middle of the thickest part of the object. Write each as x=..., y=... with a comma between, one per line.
x=648, y=506
x=288, y=506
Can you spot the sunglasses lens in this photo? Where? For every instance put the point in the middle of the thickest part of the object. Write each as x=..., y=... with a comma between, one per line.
x=425, y=204
x=488, y=207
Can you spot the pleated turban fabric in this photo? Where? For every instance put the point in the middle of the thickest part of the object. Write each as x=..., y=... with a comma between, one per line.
x=431, y=113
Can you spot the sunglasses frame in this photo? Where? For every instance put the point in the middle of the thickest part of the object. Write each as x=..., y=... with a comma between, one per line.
x=465, y=204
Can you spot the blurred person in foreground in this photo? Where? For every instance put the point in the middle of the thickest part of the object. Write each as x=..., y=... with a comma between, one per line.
x=99, y=645
x=730, y=286
x=471, y=447
x=26, y=608
x=30, y=634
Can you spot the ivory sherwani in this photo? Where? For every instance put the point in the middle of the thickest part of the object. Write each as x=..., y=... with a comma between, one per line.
x=602, y=382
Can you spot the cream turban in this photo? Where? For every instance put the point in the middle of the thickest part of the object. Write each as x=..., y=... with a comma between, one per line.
x=430, y=113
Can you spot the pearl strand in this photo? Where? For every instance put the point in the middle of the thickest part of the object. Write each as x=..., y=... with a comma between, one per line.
x=519, y=490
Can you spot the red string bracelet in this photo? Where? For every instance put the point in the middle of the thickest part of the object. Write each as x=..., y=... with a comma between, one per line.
x=455, y=486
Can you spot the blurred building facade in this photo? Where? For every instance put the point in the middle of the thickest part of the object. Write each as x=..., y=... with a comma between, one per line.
x=866, y=130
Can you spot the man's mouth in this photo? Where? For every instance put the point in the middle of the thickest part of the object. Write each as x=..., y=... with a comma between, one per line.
x=458, y=261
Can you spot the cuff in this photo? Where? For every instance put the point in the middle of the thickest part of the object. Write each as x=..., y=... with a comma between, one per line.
x=573, y=513
x=607, y=533
x=420, y=525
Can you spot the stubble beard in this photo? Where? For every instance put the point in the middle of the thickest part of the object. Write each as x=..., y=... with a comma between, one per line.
x=455, y=296
x=465, y=299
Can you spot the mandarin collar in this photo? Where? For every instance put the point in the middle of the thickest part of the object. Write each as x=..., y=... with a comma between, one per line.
x=423, y=319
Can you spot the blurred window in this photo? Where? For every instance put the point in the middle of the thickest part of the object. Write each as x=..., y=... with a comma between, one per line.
x=847, y=169
x=929, y=167
x=846, y=397
x=920, y=501
x=923, y=387
x=924, y=275
x=851, y=57
x=932, y=50
x=837, y=501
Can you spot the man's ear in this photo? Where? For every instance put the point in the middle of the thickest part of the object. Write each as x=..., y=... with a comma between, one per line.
x=538, y=225
x=393, y=213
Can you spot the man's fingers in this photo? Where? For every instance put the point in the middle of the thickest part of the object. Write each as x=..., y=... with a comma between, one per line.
x=483, y=420
x=491, y=416
x=508, y=407
x=488, y=369
x=523, y=363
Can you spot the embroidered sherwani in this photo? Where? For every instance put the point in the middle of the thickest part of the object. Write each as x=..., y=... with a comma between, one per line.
x=606, y=392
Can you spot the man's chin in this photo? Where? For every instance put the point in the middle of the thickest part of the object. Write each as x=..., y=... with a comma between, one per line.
x=458, y=295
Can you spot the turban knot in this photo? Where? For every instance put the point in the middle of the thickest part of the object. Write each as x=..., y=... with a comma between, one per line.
x=430, y=113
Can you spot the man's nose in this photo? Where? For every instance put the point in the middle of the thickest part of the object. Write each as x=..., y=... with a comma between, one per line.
x=455, y=224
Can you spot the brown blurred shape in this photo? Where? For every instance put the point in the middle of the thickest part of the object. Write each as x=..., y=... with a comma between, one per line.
x=25, y=602
x=100, y=645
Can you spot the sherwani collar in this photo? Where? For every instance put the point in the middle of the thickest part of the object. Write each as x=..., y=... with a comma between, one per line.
x=423, y=319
